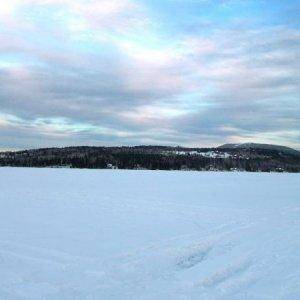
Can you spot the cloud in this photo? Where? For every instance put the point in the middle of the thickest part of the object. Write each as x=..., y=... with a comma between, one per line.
x=103, y=73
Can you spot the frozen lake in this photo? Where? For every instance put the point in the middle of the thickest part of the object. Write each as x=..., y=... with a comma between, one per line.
x=110, y=234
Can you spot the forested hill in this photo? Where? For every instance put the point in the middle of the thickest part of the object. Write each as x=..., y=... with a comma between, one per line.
x=253, y=159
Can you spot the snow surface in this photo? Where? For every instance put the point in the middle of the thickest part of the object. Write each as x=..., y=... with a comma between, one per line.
x=112, y=234
x=210, y=154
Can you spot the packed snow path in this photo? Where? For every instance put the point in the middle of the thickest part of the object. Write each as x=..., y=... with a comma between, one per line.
x=109, y=234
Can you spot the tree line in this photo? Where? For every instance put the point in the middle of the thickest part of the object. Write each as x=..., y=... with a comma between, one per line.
x=155, y=158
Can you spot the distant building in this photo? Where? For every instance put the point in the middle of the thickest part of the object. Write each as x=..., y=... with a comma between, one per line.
x=111, y=166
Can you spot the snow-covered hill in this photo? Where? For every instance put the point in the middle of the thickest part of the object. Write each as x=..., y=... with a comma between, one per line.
x=108, y=234
x=280, y=148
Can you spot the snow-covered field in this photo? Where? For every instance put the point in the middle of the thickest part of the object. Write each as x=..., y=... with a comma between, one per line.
x=109, y=234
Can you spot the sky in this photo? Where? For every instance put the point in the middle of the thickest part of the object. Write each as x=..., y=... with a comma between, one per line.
x=194, y=73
